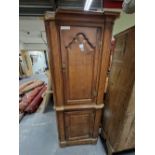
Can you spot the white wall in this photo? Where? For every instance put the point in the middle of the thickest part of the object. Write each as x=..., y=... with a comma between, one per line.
x=124, y=22
x=40, y=65
x=36, y=47
x=21, y=46
x=32, y=33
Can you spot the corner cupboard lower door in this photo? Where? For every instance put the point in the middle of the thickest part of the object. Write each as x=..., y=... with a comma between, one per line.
x=79, y=124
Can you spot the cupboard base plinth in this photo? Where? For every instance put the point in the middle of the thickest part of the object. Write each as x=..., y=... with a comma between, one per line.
x=78, y=142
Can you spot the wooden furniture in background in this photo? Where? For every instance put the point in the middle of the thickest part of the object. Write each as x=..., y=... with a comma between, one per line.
x=119, y=114
x=79, y=44
x=26, y=63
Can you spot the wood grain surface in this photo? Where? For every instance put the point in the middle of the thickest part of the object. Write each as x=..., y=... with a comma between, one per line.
x=119, y=112
x=79, y=45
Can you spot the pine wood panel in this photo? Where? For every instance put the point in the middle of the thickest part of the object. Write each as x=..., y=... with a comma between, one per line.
x=118, y=116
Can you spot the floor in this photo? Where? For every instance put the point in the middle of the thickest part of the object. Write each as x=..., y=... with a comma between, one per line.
x=41, y=76
x=38, y=136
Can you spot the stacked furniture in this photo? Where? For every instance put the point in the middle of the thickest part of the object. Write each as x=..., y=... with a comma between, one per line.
x=79, y=50
x=118, y=124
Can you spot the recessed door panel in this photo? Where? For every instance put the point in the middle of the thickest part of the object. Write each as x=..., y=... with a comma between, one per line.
x=79, y=124
x=79, y=63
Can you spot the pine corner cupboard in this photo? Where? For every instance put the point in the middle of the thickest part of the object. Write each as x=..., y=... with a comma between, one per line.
x=79, y=50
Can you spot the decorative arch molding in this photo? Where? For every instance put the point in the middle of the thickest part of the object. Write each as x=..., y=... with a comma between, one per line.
x=83, y=41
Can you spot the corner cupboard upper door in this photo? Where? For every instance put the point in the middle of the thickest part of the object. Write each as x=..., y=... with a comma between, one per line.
x=80, y=63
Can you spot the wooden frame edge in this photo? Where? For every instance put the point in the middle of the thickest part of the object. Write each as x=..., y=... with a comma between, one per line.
x=72, y=107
